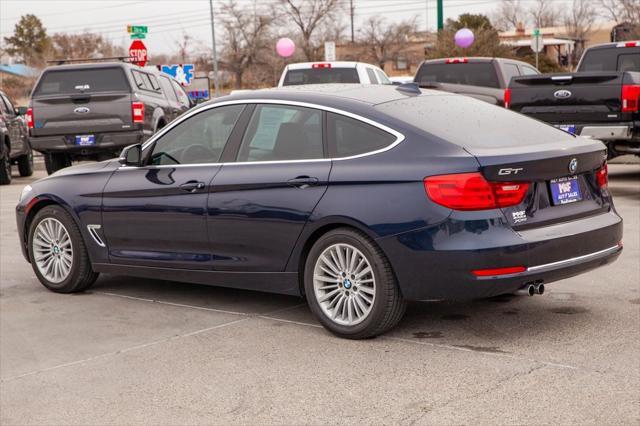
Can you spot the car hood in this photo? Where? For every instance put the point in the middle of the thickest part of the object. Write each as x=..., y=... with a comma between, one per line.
x=87, y=168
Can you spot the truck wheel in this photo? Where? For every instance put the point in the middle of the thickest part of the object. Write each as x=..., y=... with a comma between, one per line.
x=55, y=162
x=5, y=170
x=25, y=164
x=57, y=252
x=350, y=286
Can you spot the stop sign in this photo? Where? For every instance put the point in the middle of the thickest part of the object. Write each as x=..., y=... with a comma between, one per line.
x=138, y=53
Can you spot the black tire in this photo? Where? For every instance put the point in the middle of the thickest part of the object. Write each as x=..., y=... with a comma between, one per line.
x=81, y=276
x=5, y=170
x=25, y=164
x=55, y=162
x=388, y=306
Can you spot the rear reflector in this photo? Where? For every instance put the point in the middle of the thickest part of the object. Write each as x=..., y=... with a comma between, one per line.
x=630, y=96
x=471, y=191
x=498, y=271
x=137, y=112
x=321, y=65
x=507, y=97
x=456, y=61
x=29, y=118
x=602, y=175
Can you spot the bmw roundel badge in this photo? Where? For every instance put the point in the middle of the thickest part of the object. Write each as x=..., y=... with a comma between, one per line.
x=573, y=165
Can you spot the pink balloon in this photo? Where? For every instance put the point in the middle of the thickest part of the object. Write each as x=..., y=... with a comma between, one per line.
x=285, y=47
x=464, y=37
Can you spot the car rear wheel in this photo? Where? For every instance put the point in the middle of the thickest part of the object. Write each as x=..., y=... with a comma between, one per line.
x=25, y=164
x=55, y=162
x=57, y=252
x=5, y=170
x=350, y=286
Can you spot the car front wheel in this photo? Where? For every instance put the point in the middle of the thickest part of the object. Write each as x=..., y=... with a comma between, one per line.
x=350, y=286
x=57, y=252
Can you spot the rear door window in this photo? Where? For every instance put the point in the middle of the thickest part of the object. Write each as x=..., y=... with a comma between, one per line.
x=510, y=71
x=183, y=98
x=282, y=132
x=89, y=80
x=167, y=89
x=472, y=74
x=528, y=70
x=321, y=76
x=372, y=76
x=348, y=136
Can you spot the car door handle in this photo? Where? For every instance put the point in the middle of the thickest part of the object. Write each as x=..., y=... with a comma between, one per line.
x=192, y=186
x=303, y=181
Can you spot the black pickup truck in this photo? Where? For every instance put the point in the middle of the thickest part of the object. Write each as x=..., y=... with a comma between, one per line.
x=600, y=100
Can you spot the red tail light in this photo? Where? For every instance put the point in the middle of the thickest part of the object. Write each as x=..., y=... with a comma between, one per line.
x=471, y=191
x=628, y=44
x=507, y=97
x=323, y=65
x=602, y=176
x=498, y=271
x=29, y=117
x=630, y=95
x=137, y=112
x=457, y=61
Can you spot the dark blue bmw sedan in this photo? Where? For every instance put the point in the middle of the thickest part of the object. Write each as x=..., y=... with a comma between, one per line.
x=359, y=198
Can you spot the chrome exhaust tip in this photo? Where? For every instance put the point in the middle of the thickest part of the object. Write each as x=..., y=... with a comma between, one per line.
x=527, y=290
x=539, y=289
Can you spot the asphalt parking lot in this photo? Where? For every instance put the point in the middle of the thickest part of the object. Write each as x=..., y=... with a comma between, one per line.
x=154, y=352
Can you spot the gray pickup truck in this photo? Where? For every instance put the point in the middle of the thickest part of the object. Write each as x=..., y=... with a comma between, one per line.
x=93, y=110
x=485, y=79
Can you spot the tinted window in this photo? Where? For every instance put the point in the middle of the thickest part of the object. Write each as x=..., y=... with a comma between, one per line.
x=348, y=136
x=200, y=139
x=510, y=70
x=137, y=77
x=82, y=81
x=528, y=70
x=372, y=76
x=320, y=76
x=279, y=132
x=183, y=98
x=473, y=74
x=147, y=82
x=154, y=82
x=9, y=106
x=167, y=89
x=610, y=59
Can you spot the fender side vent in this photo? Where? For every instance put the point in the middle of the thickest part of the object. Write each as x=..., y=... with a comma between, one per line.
x=93, y=230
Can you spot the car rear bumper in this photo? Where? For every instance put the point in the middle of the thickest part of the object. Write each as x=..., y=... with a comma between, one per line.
x=104, y=142
x=429, y=267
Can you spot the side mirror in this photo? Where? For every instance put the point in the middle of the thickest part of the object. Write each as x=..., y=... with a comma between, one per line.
x=131, y=155
x=22, y=110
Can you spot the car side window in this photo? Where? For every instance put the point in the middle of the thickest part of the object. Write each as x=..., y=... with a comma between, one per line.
x=382, y=77
x=183, y=98
x=282, y=132
x=510, y=71
x=167, y=89
x=528, y=70
x=348, y=136
x=137, y=77
x=372, y=76
x=199, y=139
x=154, y=82
x=3, y=106
x=9, y=106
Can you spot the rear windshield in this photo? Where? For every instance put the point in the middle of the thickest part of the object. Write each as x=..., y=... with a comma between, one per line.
x=472, y=74
x=82, y=81
x=613, y=59
x=321, y=76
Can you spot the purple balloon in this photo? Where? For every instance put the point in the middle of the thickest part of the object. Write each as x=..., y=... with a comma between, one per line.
x=464, y=37
x=285, y=47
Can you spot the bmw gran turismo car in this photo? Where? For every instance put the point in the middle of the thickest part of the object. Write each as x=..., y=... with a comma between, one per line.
x=358, y=198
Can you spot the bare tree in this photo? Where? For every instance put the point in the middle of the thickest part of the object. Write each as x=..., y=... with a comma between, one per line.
x=579, y=22
x=510, y=14
x=544, y=13
x=307, y=16
x=622, y=10
x=86, y=45
x=384, y=41
x=183, y=48
x=246, y=39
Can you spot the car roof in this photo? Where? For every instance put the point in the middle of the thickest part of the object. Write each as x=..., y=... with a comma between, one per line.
x=334, y=64
x=615, y=44
x=477, y=59
x=99, y=65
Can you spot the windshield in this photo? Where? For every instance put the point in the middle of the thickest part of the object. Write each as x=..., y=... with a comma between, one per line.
x=321, y=76
x=472, y=74
x=82, y=81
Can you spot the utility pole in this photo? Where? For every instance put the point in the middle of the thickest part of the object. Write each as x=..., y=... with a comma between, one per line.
x=351, y=10
x=440, y=16
x=215, y=54
x=426, y=17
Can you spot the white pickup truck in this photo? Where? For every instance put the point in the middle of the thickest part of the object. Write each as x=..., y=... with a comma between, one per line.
x=332, y=72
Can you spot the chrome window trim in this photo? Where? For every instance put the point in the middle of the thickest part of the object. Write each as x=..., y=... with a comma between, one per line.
x=399, y=136
x=574, y=260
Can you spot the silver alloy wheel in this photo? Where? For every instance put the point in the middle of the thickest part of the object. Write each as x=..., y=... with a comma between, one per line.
x=344, y=284
x=52, y=250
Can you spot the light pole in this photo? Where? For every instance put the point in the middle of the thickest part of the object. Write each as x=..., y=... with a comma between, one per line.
x=215, y=54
